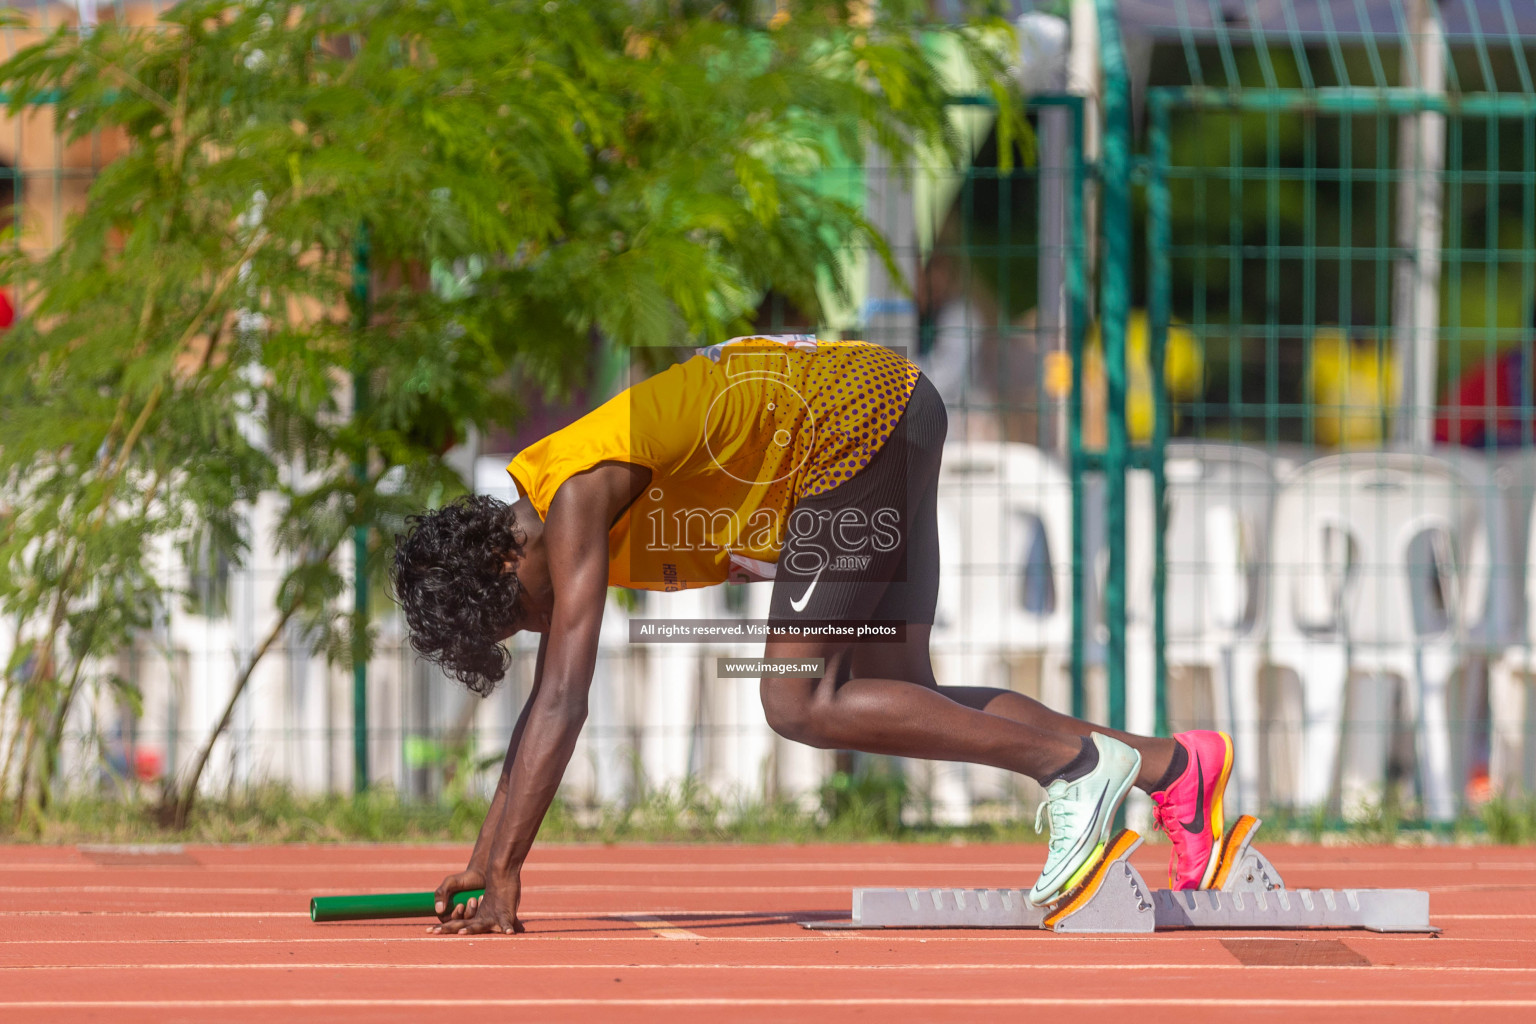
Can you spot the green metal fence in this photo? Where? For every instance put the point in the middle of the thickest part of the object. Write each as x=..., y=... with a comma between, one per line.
x=1338, y=211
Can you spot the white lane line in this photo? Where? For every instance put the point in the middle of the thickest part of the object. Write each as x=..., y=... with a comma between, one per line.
x=734, y=917
x=408, y=934
x=157, y=914
x=692, y=867
x=153, y=889
x=738, y=966
x=1485, y=917
x=660, y=926
x=763, y=916
x=1011, y=867
x=1022, y=1001
x=535, y=888
x=551, y=915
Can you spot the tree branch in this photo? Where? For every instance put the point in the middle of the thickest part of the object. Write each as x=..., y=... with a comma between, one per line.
x=130, y=81
x=178, y=813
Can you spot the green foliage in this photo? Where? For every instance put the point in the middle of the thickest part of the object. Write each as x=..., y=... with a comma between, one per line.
x=686, y=813
x=1510, y=819
x=272, y=814
x=1507, y=819
x=641, y=171
x=265, y=815
x=871, y=799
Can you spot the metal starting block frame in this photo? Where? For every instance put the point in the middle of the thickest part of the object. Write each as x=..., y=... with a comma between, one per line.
x=1247, y=893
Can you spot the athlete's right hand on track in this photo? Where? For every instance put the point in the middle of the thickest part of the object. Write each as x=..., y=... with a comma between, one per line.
x=468, y=880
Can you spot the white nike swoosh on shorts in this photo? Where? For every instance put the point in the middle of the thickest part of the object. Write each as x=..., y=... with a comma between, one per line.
x=805, y=598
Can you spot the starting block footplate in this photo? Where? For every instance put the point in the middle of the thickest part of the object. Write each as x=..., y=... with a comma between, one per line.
x=1117, y=901
x=1378, y=910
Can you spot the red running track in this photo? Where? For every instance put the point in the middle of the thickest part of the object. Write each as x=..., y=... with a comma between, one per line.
x=709, y=933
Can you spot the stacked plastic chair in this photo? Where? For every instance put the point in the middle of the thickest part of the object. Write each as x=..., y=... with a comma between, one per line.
x=1380, y=565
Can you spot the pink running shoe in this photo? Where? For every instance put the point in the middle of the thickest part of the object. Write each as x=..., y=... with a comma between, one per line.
x=1190, y=810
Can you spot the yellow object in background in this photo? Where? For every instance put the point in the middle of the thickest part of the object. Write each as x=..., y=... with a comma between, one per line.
x=1183, y=372
x=1058, y=374
x=1352, y=387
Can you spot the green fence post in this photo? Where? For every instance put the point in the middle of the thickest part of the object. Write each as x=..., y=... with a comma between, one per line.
x=1079, y=466
x=1114, y=305
x=360, y=300
x=1077, y=316
x=1159, y=242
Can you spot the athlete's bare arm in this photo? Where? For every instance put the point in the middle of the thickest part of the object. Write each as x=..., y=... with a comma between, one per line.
x=572, y=545
x=473, y=876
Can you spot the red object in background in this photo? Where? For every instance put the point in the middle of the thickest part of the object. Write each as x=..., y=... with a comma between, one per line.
x=147, y=763
x=1479, y=787
x=1490, y=405
x=7, y=311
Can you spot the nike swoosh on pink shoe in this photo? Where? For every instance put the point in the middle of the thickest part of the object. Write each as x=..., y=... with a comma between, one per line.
x=1197, y=825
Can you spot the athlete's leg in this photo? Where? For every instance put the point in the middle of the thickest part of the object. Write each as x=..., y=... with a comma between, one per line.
x=1189, y=806
x=886, y=701
x=882, y=697
x=911, y=661
x=842, y=709
x=900, y=718
x=1186, y=775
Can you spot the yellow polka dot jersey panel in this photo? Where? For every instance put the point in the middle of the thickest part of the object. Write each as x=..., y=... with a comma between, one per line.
x=733, y=437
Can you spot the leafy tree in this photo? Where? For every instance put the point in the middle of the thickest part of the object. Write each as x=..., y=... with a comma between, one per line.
x=634, y=170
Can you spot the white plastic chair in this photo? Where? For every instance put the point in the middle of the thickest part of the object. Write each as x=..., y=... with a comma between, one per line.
x=1215, y=606
x=491, y=477
x=1379, y=564
x=1512, y=668
x=1005, y=513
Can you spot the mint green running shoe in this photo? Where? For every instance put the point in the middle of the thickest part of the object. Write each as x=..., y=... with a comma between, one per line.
x=1082, y=813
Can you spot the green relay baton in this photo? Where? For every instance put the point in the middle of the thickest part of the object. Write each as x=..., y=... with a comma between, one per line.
x=375, y=906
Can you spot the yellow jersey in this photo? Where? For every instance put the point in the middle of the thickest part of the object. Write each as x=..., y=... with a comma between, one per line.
x=733, y=437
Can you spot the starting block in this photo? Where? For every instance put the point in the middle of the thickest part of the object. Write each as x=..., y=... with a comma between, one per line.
x=1246, y=893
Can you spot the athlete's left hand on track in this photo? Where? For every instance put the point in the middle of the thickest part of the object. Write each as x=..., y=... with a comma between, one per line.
x=495, y=913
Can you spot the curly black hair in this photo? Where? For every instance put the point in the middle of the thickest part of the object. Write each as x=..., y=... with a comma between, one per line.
x=449, y=575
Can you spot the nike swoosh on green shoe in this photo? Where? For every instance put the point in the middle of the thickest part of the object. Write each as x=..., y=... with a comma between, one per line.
x=1082, y=813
